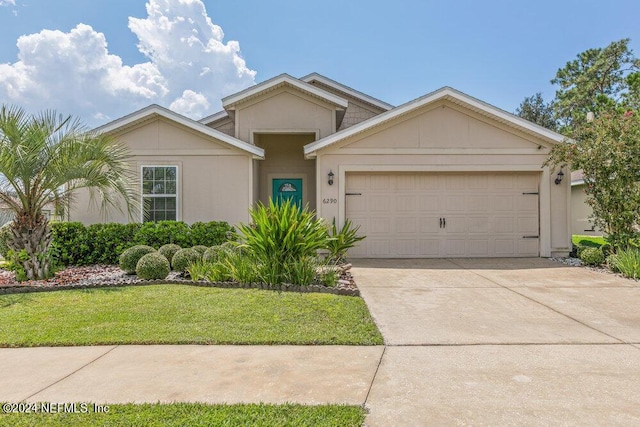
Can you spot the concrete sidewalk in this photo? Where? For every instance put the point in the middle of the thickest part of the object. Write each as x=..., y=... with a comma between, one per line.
x=468, y=342
x=189, y=373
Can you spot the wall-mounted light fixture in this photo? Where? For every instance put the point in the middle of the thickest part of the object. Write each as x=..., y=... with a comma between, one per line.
x=559, y=177
x=330, y=177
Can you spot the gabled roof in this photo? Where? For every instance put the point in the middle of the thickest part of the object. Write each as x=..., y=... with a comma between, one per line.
x=214, y=117
x=445, y=93
x=282, y=80
x=347, y=90
x=155, y=110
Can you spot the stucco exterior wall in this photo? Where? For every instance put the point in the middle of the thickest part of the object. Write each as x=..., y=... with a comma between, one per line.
x=214, y=180
x=445, y=138
x=284, y=110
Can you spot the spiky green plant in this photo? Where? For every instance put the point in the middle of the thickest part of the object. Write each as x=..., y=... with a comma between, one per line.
x=342, y=240
x=280, y=234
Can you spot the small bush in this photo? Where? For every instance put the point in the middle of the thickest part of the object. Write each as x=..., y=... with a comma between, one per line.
x=185, y=257
x=591, y=256
x=153, y=266
x=4, y=236
x=200, y=248
x=130, y=257
x=169, y=250
x=626, y=262
x=211, y=255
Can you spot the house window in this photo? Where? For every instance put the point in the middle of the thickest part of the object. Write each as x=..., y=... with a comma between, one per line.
x=159, y=193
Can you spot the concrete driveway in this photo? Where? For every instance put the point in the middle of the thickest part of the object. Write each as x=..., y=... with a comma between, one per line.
x=502, y=342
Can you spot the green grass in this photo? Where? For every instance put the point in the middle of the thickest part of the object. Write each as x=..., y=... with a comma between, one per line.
x=195, y=414
x=178, y=314
x=593, y=241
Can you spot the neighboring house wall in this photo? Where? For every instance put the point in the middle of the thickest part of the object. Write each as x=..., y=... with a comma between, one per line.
x=214, y=180
x=580, y=212
x=446, y=138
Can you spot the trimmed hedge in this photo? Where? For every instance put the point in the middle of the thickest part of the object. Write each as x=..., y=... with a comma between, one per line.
x=153, y=266
x=76, y=244
x=169, y=250
x=130, y=257
x=184, y=258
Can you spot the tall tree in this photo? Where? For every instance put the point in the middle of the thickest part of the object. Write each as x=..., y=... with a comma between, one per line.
x=607, y=149
x=536, y=110
x=44, y=159
x=597, y=80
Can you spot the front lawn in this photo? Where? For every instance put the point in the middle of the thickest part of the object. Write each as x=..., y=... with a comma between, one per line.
x=177, y=314
x=592, y=241
x=195, y=414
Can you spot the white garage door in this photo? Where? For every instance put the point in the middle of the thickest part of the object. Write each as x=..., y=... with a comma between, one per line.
x=432, y=215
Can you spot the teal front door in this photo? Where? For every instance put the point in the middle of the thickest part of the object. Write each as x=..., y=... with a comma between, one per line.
x=285, y=189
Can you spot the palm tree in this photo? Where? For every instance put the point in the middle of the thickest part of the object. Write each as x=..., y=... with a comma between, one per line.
x=44, y=159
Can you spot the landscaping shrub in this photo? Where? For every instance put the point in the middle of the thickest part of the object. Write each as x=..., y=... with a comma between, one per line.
x=280, y=234
x=108, y=241
x=153, y=266
x=4, y=235
x=211, y=255
x=340, y=241
x=71, y=243
x=591, y=256
x=183, y=258
x=160, y=233
x=130, y=257
x=169, y=250
x=211, y=233
x=200, y=248
x=626, y=262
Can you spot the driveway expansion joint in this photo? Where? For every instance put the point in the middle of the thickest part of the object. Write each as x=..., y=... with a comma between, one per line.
x=375, y=374
x=72, y=373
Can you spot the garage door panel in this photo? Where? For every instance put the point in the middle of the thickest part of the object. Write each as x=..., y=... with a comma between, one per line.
x=486, y=214
x=380, y=225
x=479, y=248
x=406, y=225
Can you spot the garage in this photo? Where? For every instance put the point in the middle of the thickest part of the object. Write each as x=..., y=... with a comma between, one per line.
x=432, y=215
x=445, y=176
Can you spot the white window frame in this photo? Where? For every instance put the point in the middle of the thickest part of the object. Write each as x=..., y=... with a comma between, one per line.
x=143, y=195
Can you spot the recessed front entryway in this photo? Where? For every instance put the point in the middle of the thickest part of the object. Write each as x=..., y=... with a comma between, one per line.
x=432, y=215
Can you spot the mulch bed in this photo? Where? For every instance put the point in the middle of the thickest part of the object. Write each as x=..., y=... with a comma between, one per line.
x=100, y=276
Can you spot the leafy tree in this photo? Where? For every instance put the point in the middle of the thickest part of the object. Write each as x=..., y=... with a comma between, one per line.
x=596, y=81
x=536, y=110
x=608, y=151
x=44, y=159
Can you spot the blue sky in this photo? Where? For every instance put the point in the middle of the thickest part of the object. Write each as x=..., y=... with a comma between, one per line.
x=499, y=51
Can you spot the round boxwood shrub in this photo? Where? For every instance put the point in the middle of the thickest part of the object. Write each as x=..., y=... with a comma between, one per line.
x=592, y=256
x=184, y=257
x=212, y=254
x=130, y=257
x=200, y=248
x=169, y=250
x=153, y=266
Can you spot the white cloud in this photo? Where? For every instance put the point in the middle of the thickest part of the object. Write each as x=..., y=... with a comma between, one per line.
x=190, y=68
x=7, y=2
